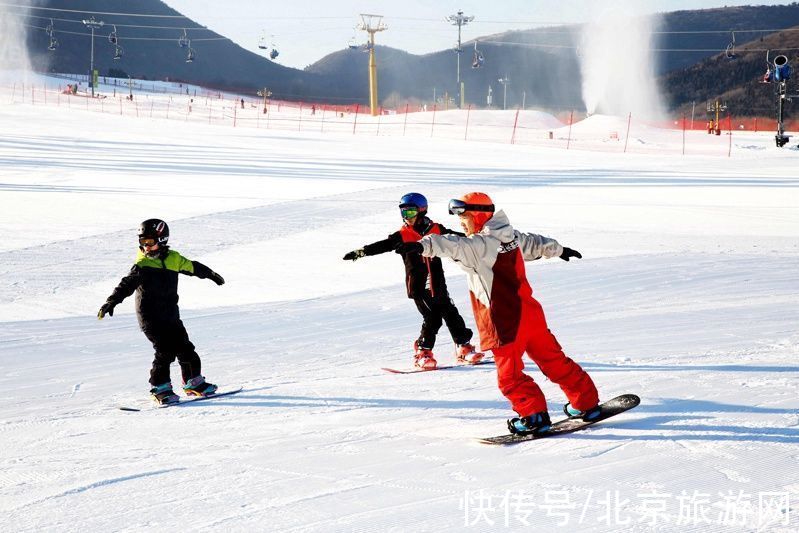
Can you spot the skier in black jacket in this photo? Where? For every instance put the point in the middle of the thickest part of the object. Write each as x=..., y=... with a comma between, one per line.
x=154, y=278
x=425, y=283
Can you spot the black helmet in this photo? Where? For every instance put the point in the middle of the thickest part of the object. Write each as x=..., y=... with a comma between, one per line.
x=154, y=228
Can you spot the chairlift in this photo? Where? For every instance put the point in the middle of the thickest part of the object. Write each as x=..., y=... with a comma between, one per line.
x=112, y=37
x=183, y=41
x=262, y=43
x=117, y=52
x=367, y=47
x=273, y=53
x=190, y=56
x=51, y=33
x=768, y=77
x=730, y=51
x=477, y=59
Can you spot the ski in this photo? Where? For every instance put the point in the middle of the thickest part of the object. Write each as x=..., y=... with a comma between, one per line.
x=445, y=367
x=184, y=401
x=610, y=408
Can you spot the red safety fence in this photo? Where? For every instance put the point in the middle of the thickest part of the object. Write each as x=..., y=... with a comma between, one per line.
x=571, y=130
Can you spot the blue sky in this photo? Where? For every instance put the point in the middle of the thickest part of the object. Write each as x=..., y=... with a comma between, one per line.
x=305, y=31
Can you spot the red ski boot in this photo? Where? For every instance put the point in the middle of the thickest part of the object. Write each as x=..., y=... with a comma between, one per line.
x=466, y=354
x=423, y=358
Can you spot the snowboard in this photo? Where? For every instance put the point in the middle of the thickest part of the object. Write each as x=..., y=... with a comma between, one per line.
x=610, y=408
x=183, y=401
x=440, y=367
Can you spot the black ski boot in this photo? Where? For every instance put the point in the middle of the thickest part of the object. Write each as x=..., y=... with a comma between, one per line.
x=199, y=387
x=537, y=423
x=588, y=414
x=163, y=394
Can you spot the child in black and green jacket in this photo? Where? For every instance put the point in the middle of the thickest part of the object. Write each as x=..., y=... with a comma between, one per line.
x=154, y=278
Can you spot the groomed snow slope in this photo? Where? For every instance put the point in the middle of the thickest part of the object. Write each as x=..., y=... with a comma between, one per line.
x=687, y=295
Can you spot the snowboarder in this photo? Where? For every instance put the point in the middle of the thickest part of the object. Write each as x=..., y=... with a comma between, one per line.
x=510, y=321
x=154, y=277
x=425, y=283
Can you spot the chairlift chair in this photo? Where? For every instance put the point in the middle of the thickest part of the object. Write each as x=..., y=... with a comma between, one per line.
x=477, y=59
x=730, y=51
x=51, y=32
x=262, y=43
x=112, y=37
x=768, y=77
x=190, y=56
x=273, y=53
x=117, y=52
x=183, y=41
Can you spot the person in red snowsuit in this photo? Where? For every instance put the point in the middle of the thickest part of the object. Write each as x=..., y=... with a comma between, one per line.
x=510, y=321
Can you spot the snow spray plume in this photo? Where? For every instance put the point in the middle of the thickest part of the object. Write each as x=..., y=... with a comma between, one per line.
x=14, y=58
x=617, y=61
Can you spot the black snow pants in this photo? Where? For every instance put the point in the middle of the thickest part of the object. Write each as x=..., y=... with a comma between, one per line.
x=434, y=312
x=171, y=341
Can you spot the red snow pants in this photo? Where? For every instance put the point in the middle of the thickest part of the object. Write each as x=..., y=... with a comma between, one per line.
x=542, y=347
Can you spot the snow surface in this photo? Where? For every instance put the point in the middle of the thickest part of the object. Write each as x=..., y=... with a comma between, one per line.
x=687, y=295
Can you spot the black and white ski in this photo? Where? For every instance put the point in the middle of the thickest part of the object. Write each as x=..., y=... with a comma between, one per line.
x=183, y=401
x=610, y=408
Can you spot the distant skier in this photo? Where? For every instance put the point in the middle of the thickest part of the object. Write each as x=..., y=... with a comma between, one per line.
x=511, y=322
x=425, y=283
x=154, y=277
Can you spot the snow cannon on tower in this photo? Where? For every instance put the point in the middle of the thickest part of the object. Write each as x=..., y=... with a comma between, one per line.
x=782, y=69
x=779, y=73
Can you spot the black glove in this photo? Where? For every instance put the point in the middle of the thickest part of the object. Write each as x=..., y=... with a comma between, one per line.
x=216, y=278
x=354, y=255
x=106, y=309
x=409, y=248
x=569, y=253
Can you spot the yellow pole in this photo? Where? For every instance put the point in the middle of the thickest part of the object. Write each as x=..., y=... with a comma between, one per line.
x=372, y=75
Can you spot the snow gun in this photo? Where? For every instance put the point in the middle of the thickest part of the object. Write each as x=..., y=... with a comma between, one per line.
x=782, y=70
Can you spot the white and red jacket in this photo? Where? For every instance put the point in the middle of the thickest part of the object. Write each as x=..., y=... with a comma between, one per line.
x=494, y=261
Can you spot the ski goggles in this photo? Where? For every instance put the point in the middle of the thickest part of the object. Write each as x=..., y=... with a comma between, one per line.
x=459, y=207
x=409, y=212
x=147, y=242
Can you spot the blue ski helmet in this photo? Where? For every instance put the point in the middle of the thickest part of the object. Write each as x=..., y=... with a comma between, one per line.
x=414, y=199
x=412, y=205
